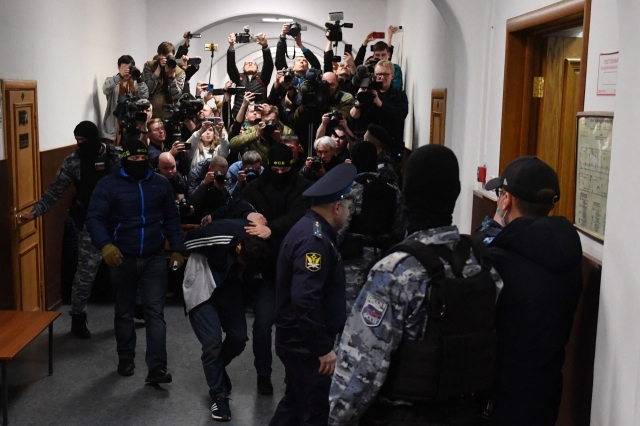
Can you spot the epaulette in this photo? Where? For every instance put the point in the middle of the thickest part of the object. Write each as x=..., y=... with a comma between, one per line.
x=317, y=230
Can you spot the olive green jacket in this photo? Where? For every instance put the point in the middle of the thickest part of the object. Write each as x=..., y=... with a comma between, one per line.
x=249, y=140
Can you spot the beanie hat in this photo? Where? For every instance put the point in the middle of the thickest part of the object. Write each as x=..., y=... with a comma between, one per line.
x=280, y=155
x=431, y=187
x=380, y=133
x=133, y=146
x=364, y=156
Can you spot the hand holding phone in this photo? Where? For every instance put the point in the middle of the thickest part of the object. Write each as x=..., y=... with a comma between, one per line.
x=378, y=34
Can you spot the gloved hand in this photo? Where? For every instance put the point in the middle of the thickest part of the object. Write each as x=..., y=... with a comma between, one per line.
x=111, y=255
x=176, y=257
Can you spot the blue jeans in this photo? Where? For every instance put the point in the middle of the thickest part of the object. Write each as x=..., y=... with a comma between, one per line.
x=264, y=310
x=148, y=276
x=223, y=311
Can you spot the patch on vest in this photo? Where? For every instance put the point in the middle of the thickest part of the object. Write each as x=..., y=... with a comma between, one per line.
x=313, y=261
x=373, y=311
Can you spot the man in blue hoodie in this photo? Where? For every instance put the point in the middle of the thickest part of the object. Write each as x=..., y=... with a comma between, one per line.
x=540, y=261
x=130, y=213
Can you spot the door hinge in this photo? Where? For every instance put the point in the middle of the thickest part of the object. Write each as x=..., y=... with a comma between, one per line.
x=538, y=87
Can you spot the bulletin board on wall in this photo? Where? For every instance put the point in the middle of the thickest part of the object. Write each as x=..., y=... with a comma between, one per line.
x=593, y=156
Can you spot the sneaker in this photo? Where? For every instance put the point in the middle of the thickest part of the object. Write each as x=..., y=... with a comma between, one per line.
x=220, y=409
x=126, y=367
x=79, y=326
x=226, y=381
x=138, y=312
x=264, y=385
x=158, y=374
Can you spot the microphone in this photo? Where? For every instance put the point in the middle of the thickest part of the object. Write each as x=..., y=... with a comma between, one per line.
x=362, y=72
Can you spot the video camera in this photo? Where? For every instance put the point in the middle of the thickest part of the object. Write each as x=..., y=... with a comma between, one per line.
x=245, y=37
x=130, y=111
x=313, y=91
x=186, y=108
x=335, y=28
x=364, y=79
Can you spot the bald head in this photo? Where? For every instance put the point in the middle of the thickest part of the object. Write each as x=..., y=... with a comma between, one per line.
x=167, y=165
x=332, y=80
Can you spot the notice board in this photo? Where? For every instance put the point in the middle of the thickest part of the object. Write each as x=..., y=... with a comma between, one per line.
x=593, y=156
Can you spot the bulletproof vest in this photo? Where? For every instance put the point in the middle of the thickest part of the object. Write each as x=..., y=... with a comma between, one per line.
x=103, y=164
x=378, y=207
x=457, y=353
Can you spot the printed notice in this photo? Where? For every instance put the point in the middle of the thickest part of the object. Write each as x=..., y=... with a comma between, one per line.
x=592, y=173
x=608, y=74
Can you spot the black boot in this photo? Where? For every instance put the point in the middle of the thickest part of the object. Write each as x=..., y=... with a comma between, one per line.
x=264, y=385
x=79, y=326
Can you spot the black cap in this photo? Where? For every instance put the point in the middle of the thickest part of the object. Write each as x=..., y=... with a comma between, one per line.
x=132, y=146
x=280, y=155
x=380, y=133
x=333, y=186
x=529, y=179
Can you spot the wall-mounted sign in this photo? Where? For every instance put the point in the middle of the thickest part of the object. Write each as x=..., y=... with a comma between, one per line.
x=607, y=74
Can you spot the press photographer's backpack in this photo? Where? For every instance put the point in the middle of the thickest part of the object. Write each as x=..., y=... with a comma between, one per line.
x=457, y=354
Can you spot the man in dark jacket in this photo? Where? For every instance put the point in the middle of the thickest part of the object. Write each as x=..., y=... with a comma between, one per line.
x=277, y=194
x=253, y=81
x=540, y=261
x=130, y=213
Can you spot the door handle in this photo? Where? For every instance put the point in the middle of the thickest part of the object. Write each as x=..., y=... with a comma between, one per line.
x=16, y=219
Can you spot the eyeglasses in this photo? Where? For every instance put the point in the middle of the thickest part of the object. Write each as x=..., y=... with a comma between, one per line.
x=383, y=74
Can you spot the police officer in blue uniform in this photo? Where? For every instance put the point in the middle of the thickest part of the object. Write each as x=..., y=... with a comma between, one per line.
x=310, y=301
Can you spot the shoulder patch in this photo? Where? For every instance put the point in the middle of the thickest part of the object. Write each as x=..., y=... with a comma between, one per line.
x=373, y=311
x=313, y=261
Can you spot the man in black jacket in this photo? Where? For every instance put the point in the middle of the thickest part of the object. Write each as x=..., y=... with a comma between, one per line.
x=301, y=63
x=277, y=195
x=253, y=81
x=540, y=261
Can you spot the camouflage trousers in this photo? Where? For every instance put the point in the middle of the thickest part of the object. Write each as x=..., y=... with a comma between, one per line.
x=356, y=269
x=89, y=258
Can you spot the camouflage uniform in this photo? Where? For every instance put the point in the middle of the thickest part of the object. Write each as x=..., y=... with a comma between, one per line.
x=89, y=257
x=386, y=167
x=394, y=292
x=357, y=267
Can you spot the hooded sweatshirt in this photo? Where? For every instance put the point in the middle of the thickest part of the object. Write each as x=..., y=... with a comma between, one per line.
x=540, y=262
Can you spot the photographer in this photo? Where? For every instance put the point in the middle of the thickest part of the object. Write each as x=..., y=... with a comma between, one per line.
x=301, y=64
x=157, y=138
x=253, y=81
x=115, y=88
x=388, y=109
x=264, y=135
x=293, y=142
x=345, y=72
x=248, y=115
x=208, y=141
x=212, y=192
x=316, y=167
x=381, y=52
x=243, y=172
x=340, y=133
x=379, y=137
x=164, y=79
x=167, y=168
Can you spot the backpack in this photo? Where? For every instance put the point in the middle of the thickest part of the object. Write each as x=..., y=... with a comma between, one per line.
x=457, y=354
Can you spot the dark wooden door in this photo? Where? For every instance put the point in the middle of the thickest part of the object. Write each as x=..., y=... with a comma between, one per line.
x=438, y=116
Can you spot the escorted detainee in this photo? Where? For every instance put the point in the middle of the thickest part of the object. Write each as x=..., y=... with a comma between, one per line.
x=310, y=301
x=131, y=212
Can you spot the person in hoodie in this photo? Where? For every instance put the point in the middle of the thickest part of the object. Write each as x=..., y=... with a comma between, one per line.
x=277, y=195
x=131, y=212
x=540, y=261
x=84, y=168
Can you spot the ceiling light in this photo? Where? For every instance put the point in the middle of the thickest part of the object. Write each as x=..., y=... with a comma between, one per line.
x=277, y=20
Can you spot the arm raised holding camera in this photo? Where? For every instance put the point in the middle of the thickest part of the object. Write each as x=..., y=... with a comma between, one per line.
x=311, y=57
x=267, y=59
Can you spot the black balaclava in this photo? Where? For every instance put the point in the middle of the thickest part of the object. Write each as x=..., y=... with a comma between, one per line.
x=280, y=155
x=90, y=148
x=364, y=156
x=137, y=170
x=431, y=188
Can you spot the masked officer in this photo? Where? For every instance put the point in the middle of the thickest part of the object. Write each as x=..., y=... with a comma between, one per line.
x=85, y=167
x=310, y=300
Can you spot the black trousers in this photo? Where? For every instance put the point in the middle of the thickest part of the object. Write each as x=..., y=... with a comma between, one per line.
x=306, y=398
x=462, y=412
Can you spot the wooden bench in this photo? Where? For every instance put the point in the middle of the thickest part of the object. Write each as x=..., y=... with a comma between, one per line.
x=17, y=330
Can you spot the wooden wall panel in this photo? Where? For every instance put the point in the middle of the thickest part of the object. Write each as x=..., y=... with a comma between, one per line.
x=53, y=224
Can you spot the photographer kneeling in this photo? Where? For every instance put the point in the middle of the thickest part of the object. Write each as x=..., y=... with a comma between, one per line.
x=243, y=172
x=316, y=167
x=264, y=135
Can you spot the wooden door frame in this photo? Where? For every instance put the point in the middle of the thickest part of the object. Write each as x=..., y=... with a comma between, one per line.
x=7, y=86
x=439, y=94
x=522, y=59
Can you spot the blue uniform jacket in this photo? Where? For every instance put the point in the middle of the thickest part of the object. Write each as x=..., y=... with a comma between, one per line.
x=310, y=289
x=136, y=216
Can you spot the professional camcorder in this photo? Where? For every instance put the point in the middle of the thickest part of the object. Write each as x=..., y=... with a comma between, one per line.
x=335, y=27
x=313, y=91
x=130, y=111
x=363, y=79
x=186, y=108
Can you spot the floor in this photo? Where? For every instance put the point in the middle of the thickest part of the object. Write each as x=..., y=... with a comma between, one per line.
x=86, y=390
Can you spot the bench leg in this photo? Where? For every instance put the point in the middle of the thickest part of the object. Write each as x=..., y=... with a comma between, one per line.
x=5, y=395
x=50, y=349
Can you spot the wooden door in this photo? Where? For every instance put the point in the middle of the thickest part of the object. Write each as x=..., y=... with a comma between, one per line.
x=438, y=116
x=557, y=122
x=23, y=158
